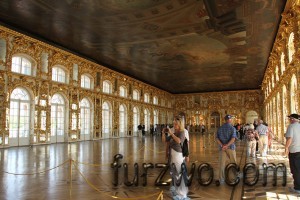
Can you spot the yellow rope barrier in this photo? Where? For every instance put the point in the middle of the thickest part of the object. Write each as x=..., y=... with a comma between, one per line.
x=161, y=196
x=115, y=197
x=74, y=163
x=99, y=165
x=41, y=172
x=156, y=151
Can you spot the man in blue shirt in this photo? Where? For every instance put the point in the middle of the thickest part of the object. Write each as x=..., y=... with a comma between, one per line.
x=226, y=135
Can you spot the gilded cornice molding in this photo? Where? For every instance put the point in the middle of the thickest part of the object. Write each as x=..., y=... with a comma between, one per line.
x=19, y=43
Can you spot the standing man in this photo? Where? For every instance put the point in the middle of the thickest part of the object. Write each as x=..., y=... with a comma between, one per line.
x=226, y=135
x=292, y=149
x=262, y=131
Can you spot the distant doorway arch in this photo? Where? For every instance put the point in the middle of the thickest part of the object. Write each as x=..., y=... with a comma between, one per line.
x=215, y=120
x=251, y=116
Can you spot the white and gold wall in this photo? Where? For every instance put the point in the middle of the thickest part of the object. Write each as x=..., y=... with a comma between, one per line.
x=280, y=85
x=278, y=97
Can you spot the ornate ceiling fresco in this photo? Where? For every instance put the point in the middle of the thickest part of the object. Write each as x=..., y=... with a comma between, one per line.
x=181, y=46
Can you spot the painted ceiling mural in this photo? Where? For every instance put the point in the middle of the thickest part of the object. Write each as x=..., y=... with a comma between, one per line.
x=181, y=46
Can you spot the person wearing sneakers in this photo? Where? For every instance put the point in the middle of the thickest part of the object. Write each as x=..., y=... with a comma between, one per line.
x=292, y=149
x=226, y=136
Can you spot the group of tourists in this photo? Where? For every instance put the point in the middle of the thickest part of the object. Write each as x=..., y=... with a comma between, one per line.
x=256, y=134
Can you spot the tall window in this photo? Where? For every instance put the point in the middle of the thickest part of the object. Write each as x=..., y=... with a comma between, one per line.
x=123, y=91
x=163, y=118
x=284, y=108
x=106, y=119
x=278, y=116
x=294, y=98
x=291, y=47
x=163, y=103
x=21, y=65
x=19, y=113
x=155, y=100
x=85, y=117
x=136, y=119
x=59, y=75
x=107, y=88
x=146, y=119
x=146, y=98
x=57, y=115
x=276, y=74
x=86, y=81
x=155, y=117
x=136, y=95
x=122, y=119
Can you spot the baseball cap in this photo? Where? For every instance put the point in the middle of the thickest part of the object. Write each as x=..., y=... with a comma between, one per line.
x=228, y=117
x=295, y=116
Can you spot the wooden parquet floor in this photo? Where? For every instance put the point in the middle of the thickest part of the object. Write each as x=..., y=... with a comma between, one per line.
x=83, y=170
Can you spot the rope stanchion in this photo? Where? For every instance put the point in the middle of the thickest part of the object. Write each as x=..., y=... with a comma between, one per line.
x=114, y=197
x=41, y=172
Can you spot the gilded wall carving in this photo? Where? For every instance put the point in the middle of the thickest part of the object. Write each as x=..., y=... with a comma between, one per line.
x=43, y=88
x=282, y=95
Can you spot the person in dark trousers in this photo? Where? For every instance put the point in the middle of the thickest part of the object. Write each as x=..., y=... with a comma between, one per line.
x=143, y=130
x=292, y=149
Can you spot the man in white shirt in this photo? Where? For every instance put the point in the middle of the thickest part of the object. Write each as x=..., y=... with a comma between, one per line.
x=292, y=149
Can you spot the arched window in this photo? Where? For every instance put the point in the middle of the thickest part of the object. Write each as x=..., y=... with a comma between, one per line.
x=123, y=91
x=107, y=87
x=293, y=94
x=19, y=117
x=86, y=81
x=58, y=113
x=136, y=95
x=155, y=100
x=122, y=120
x=22, y=65
x=291, y=47
x=85, y=119
x=146, y=98
x=106, y=119
x=147, y=119
x=136, y=119
x=59, y=74
x=282, y=63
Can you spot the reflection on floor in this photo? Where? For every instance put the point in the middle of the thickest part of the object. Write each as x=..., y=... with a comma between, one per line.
x=83, y=170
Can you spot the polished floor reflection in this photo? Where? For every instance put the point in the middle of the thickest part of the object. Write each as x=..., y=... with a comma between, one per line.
x=83, y=170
